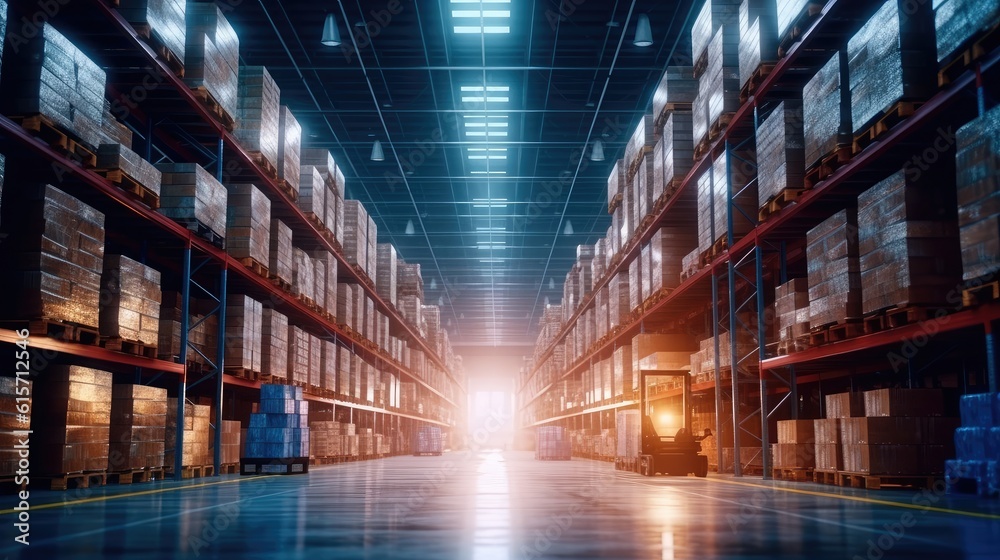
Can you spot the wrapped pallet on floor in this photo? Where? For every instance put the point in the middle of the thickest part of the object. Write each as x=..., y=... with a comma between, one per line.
x=891, y=60
x=976, y=467
x=212, y=55
x=71, y=421
x=796, y=447
x=193, y=197
x=278, y=432
x=259, y=107
x=248, y=221
x=196, y=422
x=230, y=449
x=165, y=20
x=324, y=439
x=130, y=306
x=978, y=168
x=829, y=450
x=552, y=444
x=138, y=428
x=834, y=272
x=61, y=238
x=908, y=244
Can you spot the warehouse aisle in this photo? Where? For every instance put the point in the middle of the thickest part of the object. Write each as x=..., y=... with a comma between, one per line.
x=496, y=505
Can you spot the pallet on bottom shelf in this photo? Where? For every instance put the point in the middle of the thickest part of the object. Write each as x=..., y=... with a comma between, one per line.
x=794, y=474
x=981, y=293
x=835, y=332
x=192, y=471
x=822, y=476
x=203, y=231
x=895, y=317
x=62, y=330
x=137, y=475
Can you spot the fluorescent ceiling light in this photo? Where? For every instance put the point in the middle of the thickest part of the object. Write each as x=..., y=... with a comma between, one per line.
x=491, y=229
x=488, y=99
x=481, y=29
x=480, y=14
x=473, y=158
x=491, y=173
x=492, y=133
x=480, y=1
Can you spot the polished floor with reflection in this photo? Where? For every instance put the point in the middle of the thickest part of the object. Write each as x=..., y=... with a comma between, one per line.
x=499, y=505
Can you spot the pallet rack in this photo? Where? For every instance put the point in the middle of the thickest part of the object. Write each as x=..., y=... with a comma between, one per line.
x=734, y=280
x=185, y=127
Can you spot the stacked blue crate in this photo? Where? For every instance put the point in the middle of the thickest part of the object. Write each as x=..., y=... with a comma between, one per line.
x=280, y=427
x=977, y=445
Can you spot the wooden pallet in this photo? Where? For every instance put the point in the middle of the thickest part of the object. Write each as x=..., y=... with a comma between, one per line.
x=229, y=468
x=242, y=373
x=895, y=317
x=209, y=102
x=795, y=474
x=793, y=345
x=64, y=141
x=265, y=164
x=785, y=198
x=756, y=79
x=257, y=268
x=989, y=291
x=173, y=62
x=719, y=126
x=798, y=28
x=281, y=283
x=835, y=332
x=661, y=119
x=203, y=231
x=133, y=347
x=131, y=186
x=76, y=480
x=65, y=331
x=635, y=164
x=876, y=482
x=308, y=302
x=825, y=477
x=136, y=475
x=826, y=166
x=979, y=46
x=194, y=471
x=720, y=246
x=892, y=116
x=286, y=187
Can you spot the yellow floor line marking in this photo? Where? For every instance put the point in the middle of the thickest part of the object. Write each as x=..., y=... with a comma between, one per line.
x=860, y=499
x=132, y=494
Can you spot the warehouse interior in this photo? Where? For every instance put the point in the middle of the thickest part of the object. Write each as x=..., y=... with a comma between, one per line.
x=497, y=279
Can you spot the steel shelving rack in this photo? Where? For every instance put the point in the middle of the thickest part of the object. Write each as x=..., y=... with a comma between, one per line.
x=189, y=130
x=738, y=278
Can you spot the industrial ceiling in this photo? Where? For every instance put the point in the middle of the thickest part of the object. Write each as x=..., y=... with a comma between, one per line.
x=486, y=113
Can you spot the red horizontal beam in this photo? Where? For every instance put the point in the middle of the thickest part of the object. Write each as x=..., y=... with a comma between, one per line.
x=92, y=352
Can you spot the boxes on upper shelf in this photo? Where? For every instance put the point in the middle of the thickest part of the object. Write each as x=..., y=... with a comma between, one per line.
x=164, y=18
x=957, y=21
x=780, y=152
x=833, y=270
x=758, y=36
x=713, y=16
x=676, y=91
x=891, y=59
x=791, y=305
x=259, y=105
x=192, y=196
x=274, y=344
x=312, y=194
x=212, y=55
x=826, y=110
x=289, y=148
x=248, y=221
x=244, y=333
x=281, y=263
x=978, y=168
x=120, y=157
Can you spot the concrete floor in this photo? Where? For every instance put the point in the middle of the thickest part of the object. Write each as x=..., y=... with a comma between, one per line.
x=496, y=505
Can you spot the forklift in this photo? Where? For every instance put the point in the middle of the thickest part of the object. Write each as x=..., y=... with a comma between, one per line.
x=675, y=455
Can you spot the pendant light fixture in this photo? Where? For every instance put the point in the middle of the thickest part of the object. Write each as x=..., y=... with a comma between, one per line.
x=643, y=32
x=377, y=154
x=597, y=152
x=331, y=33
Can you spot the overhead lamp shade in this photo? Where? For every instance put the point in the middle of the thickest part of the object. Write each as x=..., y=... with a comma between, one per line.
x=440, y=301
x=597, y=152
x=410, y=230
x=552, y=283
x=568, y=230
x=434, y=283
x=643, y=33
x=377, y=154
x=331, y=33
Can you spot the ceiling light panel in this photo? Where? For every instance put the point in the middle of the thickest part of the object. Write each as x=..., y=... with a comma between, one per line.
x=479, y=17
